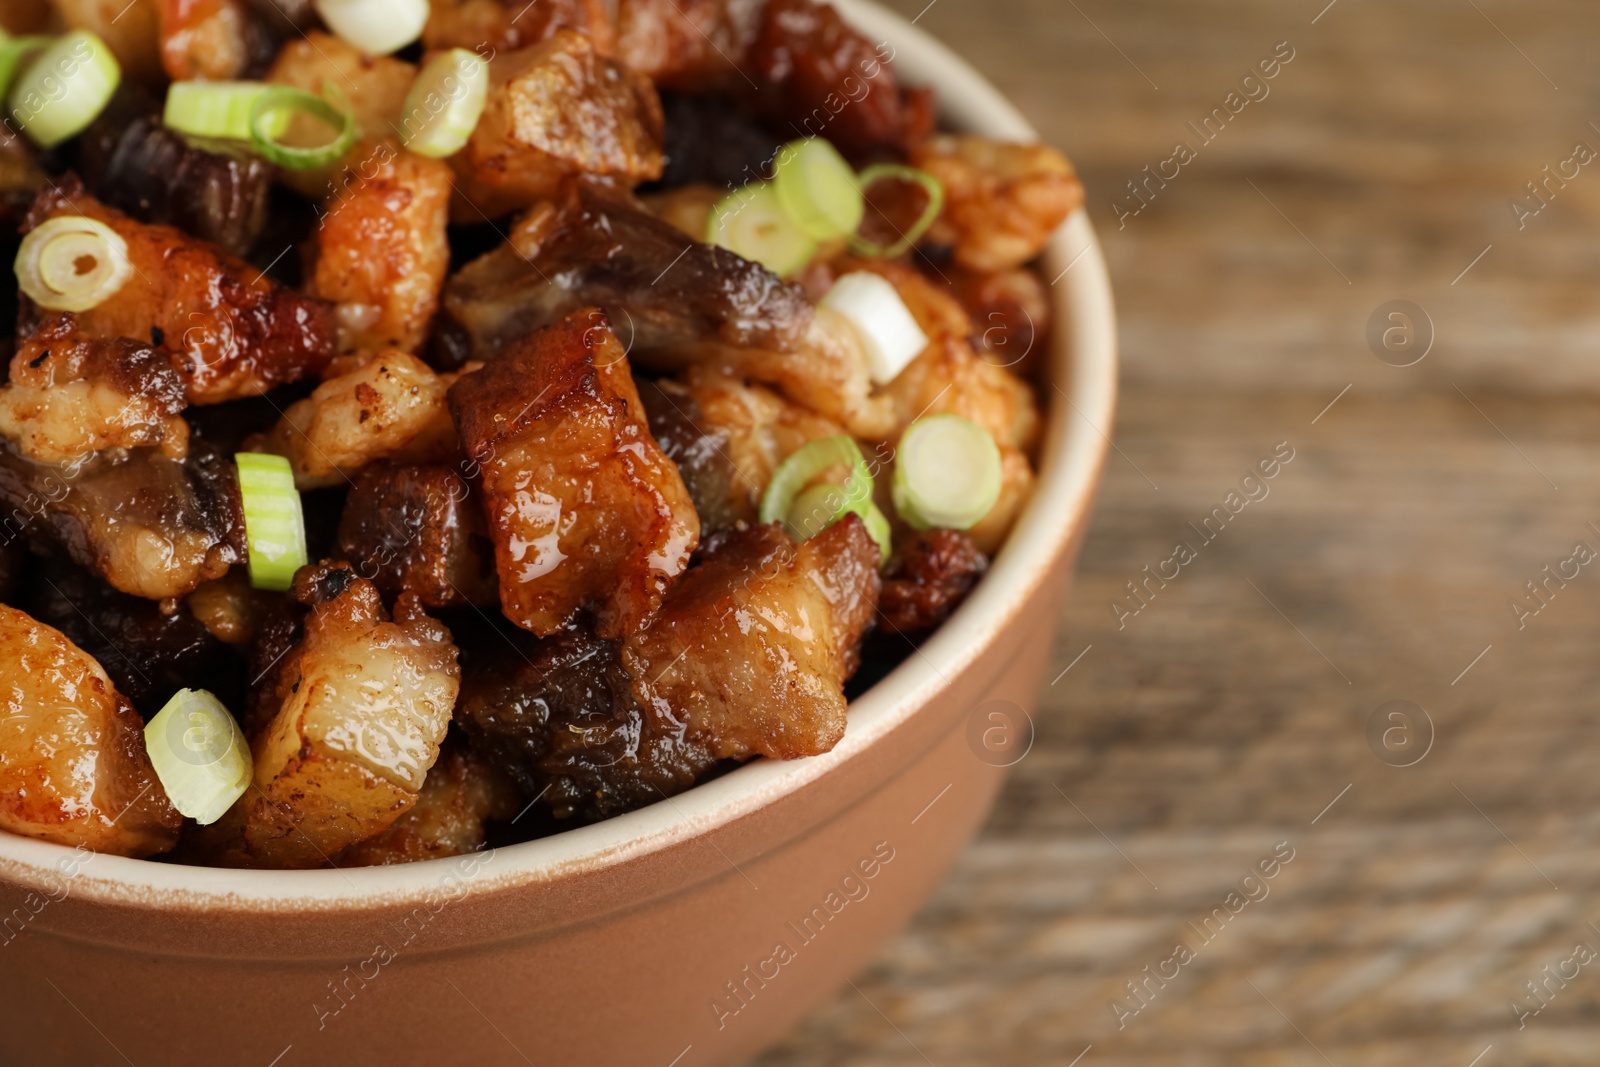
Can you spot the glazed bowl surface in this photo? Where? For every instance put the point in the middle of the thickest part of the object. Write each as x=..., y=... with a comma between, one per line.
x=690, y=933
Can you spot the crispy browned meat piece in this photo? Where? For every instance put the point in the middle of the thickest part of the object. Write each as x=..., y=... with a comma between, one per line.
x=688, y=44
x=754, y=645
x=490, y=27
x=584, y=510
x=1010, y=313
x=382, y=250
x=460, y=793
x=727, y=438
x=73, y=768
x=213, y=39
x=662, y=290
x=557, y=109
x=149, y=654
x=822, y=76
x=70, y=395
x=231, y=331
x=130, y=31
x=709, y=140
x=565, y=724
x=362, y=706
x=215, y=190
x=150, y=525
x=929, y=577
x=415, y=529
x=230, y=608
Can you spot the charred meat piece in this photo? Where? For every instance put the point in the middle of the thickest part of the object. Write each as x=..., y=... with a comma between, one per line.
x=928, y=579
x=382, y=250
x=70, y=395
x=391, y=405
x=214, y=190
x=566, y=725
x=490, y=27
x=557, y=109
x=818, y=74
x=362, y=706
x=150, y=525
x=73, y=768
x=231, y=331
x=695, y=45
x=148, y=654
x=727, y=438
x=584, y=510
x=708, y=140
x=214, y=39
x=662, y=290
x=460, y=794
x=413, y=529
x=753, y=646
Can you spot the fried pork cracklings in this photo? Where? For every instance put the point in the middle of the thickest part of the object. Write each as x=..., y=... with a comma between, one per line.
x=400, y=436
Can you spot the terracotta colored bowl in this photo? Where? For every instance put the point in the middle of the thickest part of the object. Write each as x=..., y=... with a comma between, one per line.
x=692, y=932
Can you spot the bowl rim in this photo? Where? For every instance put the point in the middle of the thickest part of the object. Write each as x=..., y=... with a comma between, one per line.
x=1073, y=450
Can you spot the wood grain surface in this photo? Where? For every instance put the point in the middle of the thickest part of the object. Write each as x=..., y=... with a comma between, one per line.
x=1235, y=711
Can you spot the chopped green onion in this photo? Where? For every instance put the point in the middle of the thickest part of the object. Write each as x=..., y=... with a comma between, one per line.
x=218, y=109
x=280, y=100
x=751, y=223
x=815, y=510
x=818, y=190
x=273, y=523
x=199, y=754
x=71, y=263
x=377, y=27
x=13, y=51
x=889, y=333
x=806, y=510
x=878, y=526
x=946, y=474
x=930, y=185
x=63, y=87
x=445, y=103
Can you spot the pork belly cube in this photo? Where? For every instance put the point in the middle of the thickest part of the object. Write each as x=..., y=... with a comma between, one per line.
x=231, y=331
x=493, y=26
x=73, y=768
x=557, y=109
x=584, y=509
x=460, y=793
x=413, y=529
x=753, y=646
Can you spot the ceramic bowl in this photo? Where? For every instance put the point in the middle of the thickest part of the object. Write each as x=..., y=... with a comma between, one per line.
x=694, y=932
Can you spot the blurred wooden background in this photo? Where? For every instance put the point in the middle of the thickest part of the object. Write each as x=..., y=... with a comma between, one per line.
x=1229, y=714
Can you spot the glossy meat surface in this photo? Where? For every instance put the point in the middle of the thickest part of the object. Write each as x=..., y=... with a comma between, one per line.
x=212, y=39
x=231, y=331
x=70, y=395
x=460, y=793
x=584, y=510
x=73, y=768
x=662, y=290
x=382, y=250
x=695, y=45
x=754, y=644
x=928, y=578
x=557, y=109
x=148, y=524
x=490, y=27
x=418, y=529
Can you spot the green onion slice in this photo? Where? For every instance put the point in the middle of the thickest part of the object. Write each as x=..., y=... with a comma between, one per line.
x=751, y=223
x=806, y=510
x=273, y=108
x=445, y=103
x=200, y=755
x=63, y=87
x=219, y=109
x=71, y=263
x=13, y=51
x=818, y=190
x=899, y=171
x=273, y=523
x=377, y=27
x=946, y=474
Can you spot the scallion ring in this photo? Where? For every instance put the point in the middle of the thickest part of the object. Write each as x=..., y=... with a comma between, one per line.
x=274, y=525
x=218, y=109
x=805, y=510
x=282, y=99
x=900, y=172
x=72, y=263
x=751, y=223
x=445, y=103
x=818, y=190
x=13, y=52
x=199, y=754
x=63, y=87
x=947, y=473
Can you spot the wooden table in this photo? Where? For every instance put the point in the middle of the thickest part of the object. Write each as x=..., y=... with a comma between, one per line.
x=1232, y=713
